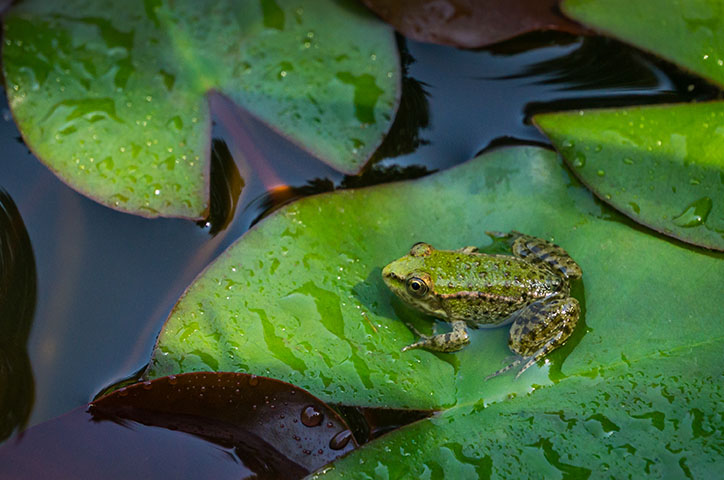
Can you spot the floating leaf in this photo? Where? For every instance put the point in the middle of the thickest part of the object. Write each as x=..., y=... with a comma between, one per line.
x=111, y=95
x=689, y=33
x=657, y=417
x=261, y=427
x=471, y=23
x=300, y=297
x=661, y=166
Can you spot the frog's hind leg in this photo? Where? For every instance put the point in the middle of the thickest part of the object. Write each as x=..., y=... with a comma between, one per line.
x=540, y=328
x=443, y=342
x=538, y=250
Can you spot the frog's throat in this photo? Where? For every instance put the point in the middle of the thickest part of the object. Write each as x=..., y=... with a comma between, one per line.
x=429, y=305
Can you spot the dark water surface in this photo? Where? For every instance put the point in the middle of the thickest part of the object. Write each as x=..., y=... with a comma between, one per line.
x=106, y=281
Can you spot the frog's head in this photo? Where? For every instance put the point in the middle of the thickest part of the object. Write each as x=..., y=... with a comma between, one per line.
x=409, y=278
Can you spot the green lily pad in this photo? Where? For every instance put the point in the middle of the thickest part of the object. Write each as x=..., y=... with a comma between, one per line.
x=689, y=33
x=300, y=298
x=660, y=165
x=111, y=95
x=657, y=417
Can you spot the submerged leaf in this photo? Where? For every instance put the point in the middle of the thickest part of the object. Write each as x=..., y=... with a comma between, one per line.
x=471, y=23
x=111, y=95
x=660, y=165
x=18, y=291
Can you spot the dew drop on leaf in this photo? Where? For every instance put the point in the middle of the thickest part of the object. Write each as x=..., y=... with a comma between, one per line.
x=311, y=417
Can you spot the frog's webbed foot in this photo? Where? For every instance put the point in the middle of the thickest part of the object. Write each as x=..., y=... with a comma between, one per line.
x=549, y=346
x=540, y=328
x=444, y=342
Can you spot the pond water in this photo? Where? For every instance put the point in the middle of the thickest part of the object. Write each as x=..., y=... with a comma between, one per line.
x=106, y=281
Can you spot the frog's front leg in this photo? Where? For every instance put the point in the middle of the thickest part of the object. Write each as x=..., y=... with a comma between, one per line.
x=444, y=342
x=540, y=328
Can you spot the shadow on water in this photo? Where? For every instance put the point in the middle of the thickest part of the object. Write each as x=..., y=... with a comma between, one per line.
x=225, y=188
x=17, y=307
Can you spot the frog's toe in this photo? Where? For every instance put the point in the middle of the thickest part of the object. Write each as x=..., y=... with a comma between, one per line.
x=513, y=364
x=494, y=234
x=423, y=341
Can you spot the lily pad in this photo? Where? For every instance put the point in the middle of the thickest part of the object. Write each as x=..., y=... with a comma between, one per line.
x=660, y=165
x=211, y=425
x=300, y=297
x=689, y=33
x=655, y=417
x=471, y=23
x=111, y=95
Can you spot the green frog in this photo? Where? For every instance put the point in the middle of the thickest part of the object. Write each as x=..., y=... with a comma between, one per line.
x=529, y=290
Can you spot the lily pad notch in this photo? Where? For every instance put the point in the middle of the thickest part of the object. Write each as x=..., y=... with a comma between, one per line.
x=114, y=99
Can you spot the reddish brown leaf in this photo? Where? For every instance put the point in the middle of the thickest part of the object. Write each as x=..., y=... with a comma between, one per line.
x=241, y=426
x=471, y=23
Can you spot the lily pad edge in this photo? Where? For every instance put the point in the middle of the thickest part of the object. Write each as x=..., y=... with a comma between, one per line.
x=601, y=196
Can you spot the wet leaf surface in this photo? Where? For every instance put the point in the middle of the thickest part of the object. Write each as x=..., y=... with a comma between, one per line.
x=471, y=23
x=111, y=96
x=221, y=425
x=656, y=417
x=661, y=166
x=300, y=298
x=689, y=33
x=18, y=291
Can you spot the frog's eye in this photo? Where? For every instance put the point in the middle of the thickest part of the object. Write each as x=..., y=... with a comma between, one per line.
x=416, y=287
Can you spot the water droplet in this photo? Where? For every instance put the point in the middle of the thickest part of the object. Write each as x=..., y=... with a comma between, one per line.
x=253, y=381
x=628, y=160
x=579, y=160
x=147, y=385
x=340, y=440
x=600, y=173
x=172, y=380
x=694, y=181
x=635, y=207
x=311, y=417
x=695, y=214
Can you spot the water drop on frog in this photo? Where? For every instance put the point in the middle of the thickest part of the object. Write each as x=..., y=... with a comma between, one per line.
x=253, y=381
x=311, y=417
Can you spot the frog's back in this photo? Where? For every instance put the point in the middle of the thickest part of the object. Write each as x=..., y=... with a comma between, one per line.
x=486, y=289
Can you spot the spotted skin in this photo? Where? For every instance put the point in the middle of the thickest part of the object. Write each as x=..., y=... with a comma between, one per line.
x=529, y=291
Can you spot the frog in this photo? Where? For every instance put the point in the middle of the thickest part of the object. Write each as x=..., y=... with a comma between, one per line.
x=528, y=290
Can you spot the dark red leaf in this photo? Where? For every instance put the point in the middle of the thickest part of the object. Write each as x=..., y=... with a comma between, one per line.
x=471, y=23
x=241, y=426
